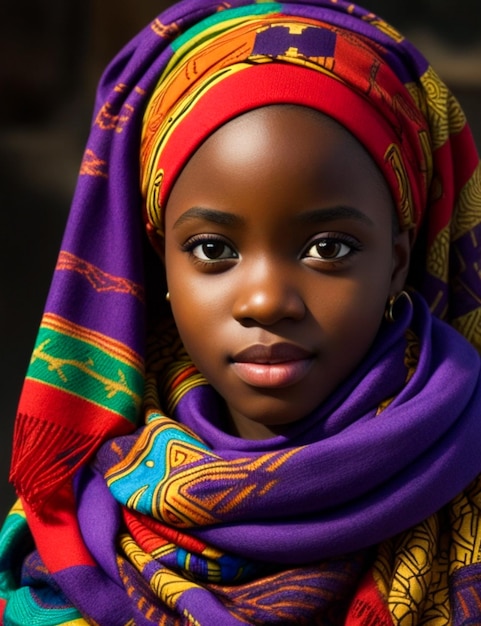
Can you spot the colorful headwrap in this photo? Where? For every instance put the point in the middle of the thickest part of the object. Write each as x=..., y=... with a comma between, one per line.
x=368, y=510
x=296, y=60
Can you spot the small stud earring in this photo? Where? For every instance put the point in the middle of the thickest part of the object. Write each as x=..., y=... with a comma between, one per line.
x=167, y=296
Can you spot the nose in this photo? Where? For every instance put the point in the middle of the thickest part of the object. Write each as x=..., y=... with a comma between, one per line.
x=267, y=295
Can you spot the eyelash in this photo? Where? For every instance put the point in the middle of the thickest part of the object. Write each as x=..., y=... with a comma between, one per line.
x=336, y=239
x=199, y=240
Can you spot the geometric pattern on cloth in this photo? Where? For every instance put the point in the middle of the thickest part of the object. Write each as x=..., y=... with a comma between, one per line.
x=304, y=595
x=83, y=362
x=467, y=216
x=100, y=280
x=431, y=574
x=466, y=594
x=166, y=476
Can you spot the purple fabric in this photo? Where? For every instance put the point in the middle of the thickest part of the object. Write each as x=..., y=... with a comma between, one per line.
x=312, y=45
x=365, y=476
x=465, y=595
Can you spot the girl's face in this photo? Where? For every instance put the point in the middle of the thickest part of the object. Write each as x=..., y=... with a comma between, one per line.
x=280, y=258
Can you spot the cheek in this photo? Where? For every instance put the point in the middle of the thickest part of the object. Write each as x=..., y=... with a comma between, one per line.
x=350, y=312
x=199, y=322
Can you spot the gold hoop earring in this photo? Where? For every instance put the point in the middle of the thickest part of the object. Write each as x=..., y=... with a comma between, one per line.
x=167, y=296
x=391, y=303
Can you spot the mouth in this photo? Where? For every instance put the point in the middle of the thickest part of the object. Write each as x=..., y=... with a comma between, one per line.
x=275, y=366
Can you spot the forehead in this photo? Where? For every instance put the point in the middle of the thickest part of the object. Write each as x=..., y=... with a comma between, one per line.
x=278, y=130
x=290, y=154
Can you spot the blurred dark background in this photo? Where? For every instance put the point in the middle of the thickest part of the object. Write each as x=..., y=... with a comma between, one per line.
x=52, y=55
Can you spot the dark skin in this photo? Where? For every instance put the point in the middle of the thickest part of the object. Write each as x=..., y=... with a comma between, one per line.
x=280, y=258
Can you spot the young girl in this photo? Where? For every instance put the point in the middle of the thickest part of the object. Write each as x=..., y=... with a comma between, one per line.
x=265, y=410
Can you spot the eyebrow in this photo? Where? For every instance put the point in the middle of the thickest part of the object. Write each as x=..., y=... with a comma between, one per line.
x=334, y=213
x=309, y=217
x=210, y=215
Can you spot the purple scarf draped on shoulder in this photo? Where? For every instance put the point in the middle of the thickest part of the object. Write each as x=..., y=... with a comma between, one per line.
x=360, y=469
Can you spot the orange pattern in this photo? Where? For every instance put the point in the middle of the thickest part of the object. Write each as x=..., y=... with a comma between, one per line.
x=100, y=280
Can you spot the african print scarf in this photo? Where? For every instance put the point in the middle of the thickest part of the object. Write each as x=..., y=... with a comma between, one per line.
x=366, y=511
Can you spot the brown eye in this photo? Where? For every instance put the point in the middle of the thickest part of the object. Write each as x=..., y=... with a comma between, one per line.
x=213, y=250
x=329, y=249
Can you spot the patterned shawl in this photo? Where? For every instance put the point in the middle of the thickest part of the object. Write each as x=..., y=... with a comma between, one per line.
x=367, y=511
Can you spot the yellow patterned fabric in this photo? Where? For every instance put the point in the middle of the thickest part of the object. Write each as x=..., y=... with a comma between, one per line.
x=415, y=570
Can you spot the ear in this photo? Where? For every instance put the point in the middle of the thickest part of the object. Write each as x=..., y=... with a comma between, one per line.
x=157, y=242
x=401, y=259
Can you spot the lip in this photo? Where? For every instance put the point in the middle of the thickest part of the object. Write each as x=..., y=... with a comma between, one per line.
x=272, y=366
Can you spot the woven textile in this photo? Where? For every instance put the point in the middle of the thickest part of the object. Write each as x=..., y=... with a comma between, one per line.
x=142, y=509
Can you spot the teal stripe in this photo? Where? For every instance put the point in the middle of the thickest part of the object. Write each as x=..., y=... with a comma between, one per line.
x=13, y=536
x=262, y=8
x=22, y=609
x=78, y=367
x=21, y=606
